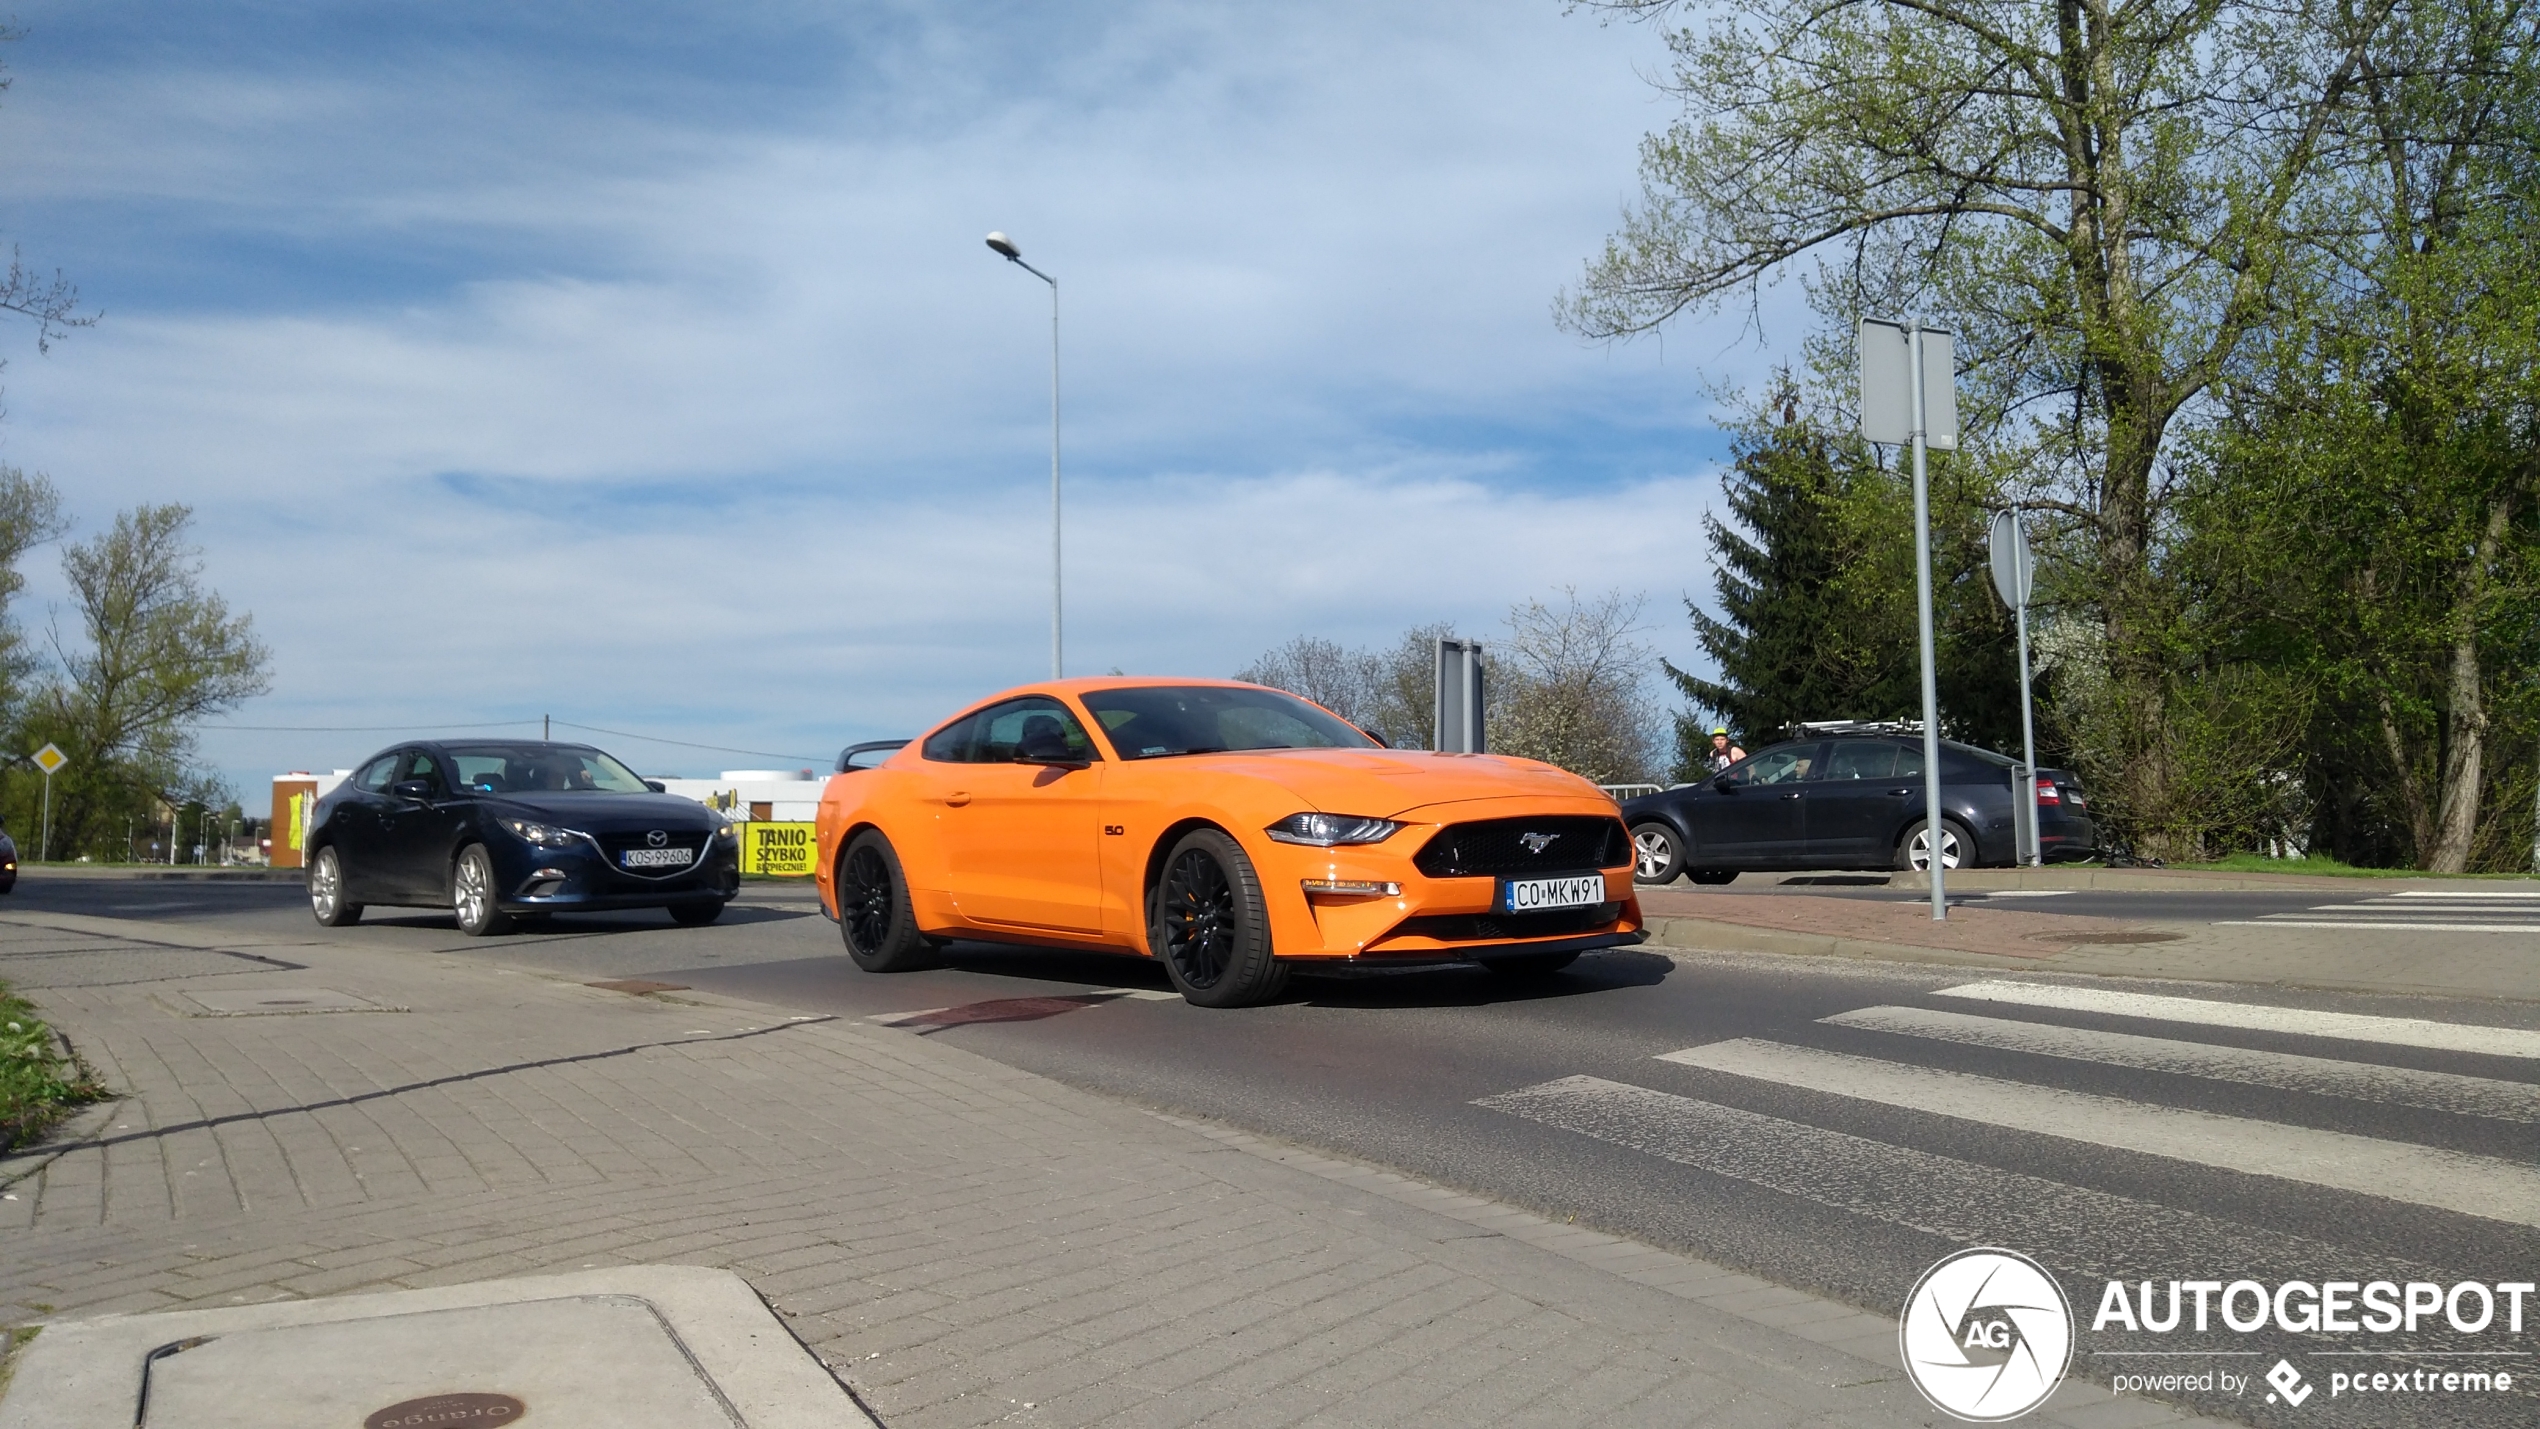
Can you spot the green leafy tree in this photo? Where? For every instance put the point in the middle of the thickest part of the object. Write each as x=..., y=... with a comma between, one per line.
x=2102, y=199
x=159, y=652
x=1814, y=585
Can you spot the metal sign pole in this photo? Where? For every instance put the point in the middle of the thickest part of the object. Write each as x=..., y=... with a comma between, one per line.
x=1934, y=832
x=2035, y=852
x=44, y=852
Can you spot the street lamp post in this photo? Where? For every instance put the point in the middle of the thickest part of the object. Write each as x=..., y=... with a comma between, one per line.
x=1006, y=248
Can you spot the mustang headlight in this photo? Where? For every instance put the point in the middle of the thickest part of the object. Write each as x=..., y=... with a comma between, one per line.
x=1327, y=830
x=543, y=835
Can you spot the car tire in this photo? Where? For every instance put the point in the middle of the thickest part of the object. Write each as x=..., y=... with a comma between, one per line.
x=472, y=894
x=1530, y=965
x=1957, y=847
x=326, y=892
x=1713, y=875
x=697, y=914
x=1208, y=925
x=1658, y=853
x=875, y=920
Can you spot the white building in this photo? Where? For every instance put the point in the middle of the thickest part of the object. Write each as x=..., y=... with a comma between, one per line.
x=775, y=795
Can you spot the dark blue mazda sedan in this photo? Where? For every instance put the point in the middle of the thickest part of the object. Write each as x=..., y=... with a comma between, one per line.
x=496, y=832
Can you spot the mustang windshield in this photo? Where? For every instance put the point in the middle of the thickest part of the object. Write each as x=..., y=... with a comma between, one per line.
x=1150, y=721
x=530, y=768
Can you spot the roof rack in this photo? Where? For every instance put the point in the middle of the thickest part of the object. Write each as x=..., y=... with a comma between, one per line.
x=1858, y=726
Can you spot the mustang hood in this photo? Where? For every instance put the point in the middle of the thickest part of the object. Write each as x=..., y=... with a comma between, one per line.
x=1381, y=783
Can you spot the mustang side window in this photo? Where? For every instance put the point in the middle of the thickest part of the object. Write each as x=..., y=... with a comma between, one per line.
x=951, y=744
x=1036, y=727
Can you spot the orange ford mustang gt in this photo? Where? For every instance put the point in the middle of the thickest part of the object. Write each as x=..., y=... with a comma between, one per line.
x=1231, y=831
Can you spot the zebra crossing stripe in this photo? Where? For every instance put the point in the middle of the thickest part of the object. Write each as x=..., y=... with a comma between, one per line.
x=2447, y=1180
x=2324, y=1076
x=2378, y=924
x=2349, y=1026
x=1940, y=1195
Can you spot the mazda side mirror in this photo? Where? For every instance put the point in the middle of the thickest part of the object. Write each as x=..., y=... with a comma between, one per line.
x=657, y=786
x=412, y=788
x=1724, y=784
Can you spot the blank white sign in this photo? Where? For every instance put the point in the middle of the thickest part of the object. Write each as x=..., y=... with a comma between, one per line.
x=1887, y=385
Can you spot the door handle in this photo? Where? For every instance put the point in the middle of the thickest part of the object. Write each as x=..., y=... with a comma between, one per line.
x=1898, y=793
x=958, y=798
x=1793, y=794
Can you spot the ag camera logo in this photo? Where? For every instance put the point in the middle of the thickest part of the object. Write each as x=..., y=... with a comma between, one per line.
x=1987, y=1335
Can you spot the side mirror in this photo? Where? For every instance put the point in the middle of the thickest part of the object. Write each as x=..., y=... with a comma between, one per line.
x=1723, y=783
x=412, y=788
x=657, y=786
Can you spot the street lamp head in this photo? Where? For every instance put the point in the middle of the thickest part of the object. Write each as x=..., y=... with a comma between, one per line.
x=1005, y=246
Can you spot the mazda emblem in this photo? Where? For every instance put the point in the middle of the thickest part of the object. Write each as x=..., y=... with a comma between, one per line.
x=657, y=838
x=1537, y=843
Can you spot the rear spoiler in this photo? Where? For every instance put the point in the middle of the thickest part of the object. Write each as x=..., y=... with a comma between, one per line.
x=847, y=756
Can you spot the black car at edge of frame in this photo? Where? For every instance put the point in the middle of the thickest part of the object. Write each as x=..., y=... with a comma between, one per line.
x=1849, y=799
x=496, y=831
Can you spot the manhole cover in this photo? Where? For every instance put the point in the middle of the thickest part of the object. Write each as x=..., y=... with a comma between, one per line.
x=278, y=1000
x=579, y=1362
x=2112, y=936
x=447, y=1411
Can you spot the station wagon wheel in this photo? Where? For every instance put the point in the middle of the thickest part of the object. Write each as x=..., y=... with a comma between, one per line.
x=1657, y=854
x=874, y=917
x=1913, y=852
x=326, y=892
x=1208, y=925
x=472, y=894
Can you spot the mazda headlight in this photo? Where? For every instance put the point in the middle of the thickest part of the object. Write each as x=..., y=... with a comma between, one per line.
x=725, y=833
x=543, y=835
x=1327, y=830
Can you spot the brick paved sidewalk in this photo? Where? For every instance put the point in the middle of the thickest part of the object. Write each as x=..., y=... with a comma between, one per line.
x=961, y=1242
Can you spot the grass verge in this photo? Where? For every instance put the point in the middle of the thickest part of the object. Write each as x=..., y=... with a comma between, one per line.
x=38, y=1085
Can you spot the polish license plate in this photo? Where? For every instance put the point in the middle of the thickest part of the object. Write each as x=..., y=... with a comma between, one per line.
x=1537, y=895
x=655, y=858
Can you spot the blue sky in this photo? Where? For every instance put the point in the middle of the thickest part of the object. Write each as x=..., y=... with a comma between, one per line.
x=642, y=364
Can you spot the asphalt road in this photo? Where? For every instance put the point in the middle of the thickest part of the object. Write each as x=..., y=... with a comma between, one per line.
x=2111, y=1140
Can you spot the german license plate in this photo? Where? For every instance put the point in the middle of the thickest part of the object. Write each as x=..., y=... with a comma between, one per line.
x=655, y=858
x=1537, y=895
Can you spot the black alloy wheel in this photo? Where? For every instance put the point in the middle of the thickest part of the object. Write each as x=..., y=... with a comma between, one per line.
x=1209, y=927
x=874, y=919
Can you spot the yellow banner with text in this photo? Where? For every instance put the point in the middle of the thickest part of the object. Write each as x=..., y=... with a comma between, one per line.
x=781, y=850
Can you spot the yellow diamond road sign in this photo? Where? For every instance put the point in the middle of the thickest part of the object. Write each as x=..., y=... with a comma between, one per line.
x=51, y=759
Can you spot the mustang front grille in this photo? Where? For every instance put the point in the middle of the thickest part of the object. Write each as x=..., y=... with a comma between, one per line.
x=1556, y=843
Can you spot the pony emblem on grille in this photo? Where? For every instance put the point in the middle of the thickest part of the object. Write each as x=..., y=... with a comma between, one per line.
x=1537, y=843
